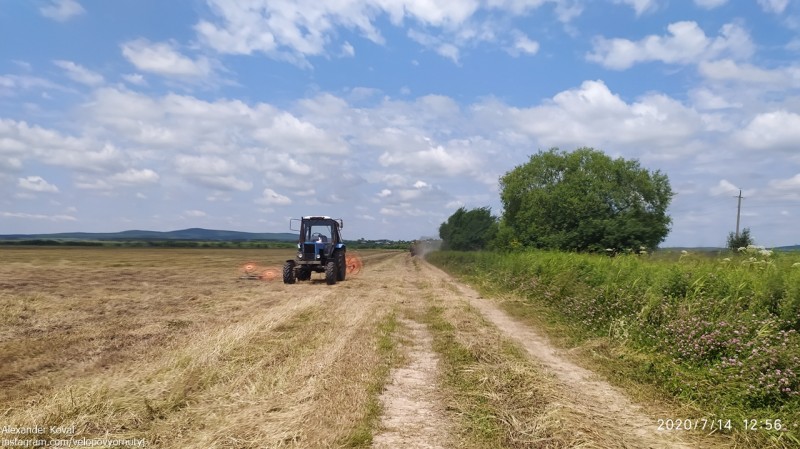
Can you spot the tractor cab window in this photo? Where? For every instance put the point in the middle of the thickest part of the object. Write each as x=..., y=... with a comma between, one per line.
x=318, y=233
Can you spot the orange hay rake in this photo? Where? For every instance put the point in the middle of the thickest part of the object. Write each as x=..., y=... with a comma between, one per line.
x=253, y=271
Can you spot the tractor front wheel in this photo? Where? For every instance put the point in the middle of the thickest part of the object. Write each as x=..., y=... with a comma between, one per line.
x=288, y=272
x=330, y=272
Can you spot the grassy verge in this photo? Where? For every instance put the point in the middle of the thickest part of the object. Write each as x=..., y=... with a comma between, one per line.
x=499, y=397
x=718, y=336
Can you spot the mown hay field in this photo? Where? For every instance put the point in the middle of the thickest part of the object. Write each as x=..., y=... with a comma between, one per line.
x=171, y=348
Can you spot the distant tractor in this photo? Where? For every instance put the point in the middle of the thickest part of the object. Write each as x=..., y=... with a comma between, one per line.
x=320, y=249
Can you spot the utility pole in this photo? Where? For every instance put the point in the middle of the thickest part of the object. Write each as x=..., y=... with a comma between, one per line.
x=738, y=212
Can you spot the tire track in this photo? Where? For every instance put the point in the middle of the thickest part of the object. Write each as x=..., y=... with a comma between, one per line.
x=412, y=413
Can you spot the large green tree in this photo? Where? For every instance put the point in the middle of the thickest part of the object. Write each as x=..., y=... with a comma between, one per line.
x=468, y=230
x=584, y=201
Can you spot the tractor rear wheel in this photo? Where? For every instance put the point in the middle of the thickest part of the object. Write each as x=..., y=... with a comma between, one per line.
x=341, y=266
x=304, y=274
x=288, y=272
x=330, y=272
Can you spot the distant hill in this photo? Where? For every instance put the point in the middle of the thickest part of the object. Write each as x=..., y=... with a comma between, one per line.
x=182, y=234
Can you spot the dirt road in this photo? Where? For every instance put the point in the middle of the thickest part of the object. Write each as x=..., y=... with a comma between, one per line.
x=399, y=356
x=598, y=414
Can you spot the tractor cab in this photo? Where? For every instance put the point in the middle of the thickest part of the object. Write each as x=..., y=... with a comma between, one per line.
x=318, y=238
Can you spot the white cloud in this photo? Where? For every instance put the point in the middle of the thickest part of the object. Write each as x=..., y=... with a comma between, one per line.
x=272, y=198
x=203, y=165
x=390, y=211
x=105, y=159
x=185, y=122
x=285, y=130
x=791, y=185
x=710, y=4
x=686, y=43
x=764, y=79
x=20, y=140
x=640, y=6
x=392, y=179
x=14, y=84
x=773, y=6
x=85, y=183
x=407, y=210
x=384, y=193
x=210, y=171
x=163, y=59
x=778, y=130
x=437, y=44
x=593, y=115
x=348, y=50
x=194, y=213
x=37, y=184
x=523, y=45
x=79, y=73
x=287, y=164
x=133, y=176
x=725, y=187
x=788, y=184
x=437, y=159
x=307, y=192
x=449, y=51
x=706, y=99
x=10, y=164
x=294, y=31
x=62, y=10
x=135, y=79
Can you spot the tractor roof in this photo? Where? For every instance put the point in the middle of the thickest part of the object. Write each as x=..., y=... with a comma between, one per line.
x=338, y=221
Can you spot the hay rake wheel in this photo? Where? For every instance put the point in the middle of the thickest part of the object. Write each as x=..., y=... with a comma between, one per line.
x=253, y=271
x=270, y=274
x=354, y=264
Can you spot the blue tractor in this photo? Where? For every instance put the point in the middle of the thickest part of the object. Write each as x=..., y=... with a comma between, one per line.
x=320, y=249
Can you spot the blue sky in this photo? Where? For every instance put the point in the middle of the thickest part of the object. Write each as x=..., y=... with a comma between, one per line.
x=144, y=114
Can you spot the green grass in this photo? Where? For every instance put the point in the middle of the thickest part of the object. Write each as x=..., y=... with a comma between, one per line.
x=499, y=397
x=717, y=334
x=459, y=362
x=386, y=342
